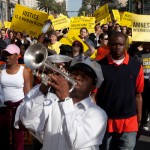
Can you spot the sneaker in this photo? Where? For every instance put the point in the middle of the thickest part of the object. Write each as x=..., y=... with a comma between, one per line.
x=145, y=127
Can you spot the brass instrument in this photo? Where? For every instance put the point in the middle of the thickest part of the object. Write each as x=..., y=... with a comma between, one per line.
x=36, y=56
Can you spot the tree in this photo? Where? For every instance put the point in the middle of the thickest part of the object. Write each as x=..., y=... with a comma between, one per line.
x=88, y=6
x=50, y=6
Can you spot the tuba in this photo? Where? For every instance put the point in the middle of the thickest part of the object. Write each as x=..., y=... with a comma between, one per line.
x=36, y=56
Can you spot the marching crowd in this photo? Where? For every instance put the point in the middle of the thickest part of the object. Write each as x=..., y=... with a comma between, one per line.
x=107, y=107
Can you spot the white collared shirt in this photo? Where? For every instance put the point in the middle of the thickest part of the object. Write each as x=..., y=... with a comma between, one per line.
x=65, y=125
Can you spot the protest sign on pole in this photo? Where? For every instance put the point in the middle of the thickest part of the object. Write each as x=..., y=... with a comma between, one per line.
x=71, y=37
x=7, y=24
x=50, y=17
x=61, y=23
x=116, y=15
x=101, y=13
x=127, y=19
x=28, y=20
x=76, y=23
x=140, y=28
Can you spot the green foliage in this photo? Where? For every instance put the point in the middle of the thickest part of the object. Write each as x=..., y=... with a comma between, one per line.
x=52, y=6
x=85, y=4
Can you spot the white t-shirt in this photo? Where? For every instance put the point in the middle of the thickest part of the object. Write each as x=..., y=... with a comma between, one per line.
x=12, y=85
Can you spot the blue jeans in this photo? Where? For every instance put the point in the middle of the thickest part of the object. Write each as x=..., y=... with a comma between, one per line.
x=119, y=141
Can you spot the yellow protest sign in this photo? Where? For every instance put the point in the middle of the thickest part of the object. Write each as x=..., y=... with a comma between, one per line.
x=116, y=15
x=1, y=24
x=7, y=24
x=93, y=56
x=28, y=20
x=50, y=17
x=61, y=15
x=101, y=13
x=71, y=37
x=109, y=18
x=61, y=23
x=103, y=21
x=127, y=19
x=76, y=23
x=140, y=27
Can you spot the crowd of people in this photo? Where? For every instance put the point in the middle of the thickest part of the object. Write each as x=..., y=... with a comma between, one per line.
x=107, y=107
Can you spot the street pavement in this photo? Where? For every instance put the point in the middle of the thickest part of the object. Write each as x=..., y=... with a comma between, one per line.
x=144, y=141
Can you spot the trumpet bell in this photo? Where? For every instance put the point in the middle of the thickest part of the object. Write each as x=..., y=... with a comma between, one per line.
x=35, y=56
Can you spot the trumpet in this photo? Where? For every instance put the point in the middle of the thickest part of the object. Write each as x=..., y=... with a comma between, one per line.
x=36, y=56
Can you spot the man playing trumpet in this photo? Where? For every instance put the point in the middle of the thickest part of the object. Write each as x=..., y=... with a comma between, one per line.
x=66, y=121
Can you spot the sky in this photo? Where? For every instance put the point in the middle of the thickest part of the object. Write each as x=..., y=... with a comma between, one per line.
x=74, y=5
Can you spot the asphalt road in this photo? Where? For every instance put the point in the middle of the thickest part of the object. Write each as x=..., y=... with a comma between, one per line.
x=144, y=141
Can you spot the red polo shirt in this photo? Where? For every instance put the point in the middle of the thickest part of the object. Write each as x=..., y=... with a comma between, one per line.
x=129, y=124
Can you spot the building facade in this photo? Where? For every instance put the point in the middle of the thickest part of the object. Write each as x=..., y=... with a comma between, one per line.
x=7, y=7
x=28, y=3
x=67, y=5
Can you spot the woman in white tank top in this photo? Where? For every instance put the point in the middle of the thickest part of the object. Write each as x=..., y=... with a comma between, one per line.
x=15, y=83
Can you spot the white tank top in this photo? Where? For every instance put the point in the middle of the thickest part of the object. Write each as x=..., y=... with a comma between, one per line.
x=12, y=85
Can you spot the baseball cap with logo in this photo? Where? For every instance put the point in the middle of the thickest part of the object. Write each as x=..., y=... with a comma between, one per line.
x=90, y=67
x=12, y=49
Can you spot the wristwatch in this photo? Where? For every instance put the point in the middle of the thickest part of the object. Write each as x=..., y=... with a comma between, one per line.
x=66, y=99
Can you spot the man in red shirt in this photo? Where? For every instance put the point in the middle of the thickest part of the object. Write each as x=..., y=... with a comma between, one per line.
x=120, y=95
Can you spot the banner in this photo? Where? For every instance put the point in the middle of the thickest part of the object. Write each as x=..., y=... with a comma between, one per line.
x=101, y=13
x=76, y=23
x=116, y=15
x=127, y=19
x=28, y=20
x=61, y=23
x=140, y=28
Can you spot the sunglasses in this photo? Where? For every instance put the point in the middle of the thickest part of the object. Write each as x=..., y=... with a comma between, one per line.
x=76, y=45
x=105, y=38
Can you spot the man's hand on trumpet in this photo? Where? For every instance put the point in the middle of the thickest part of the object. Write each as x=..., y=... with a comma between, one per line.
x=61, y=86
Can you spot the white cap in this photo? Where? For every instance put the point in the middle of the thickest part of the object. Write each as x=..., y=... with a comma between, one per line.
x=84, y=62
